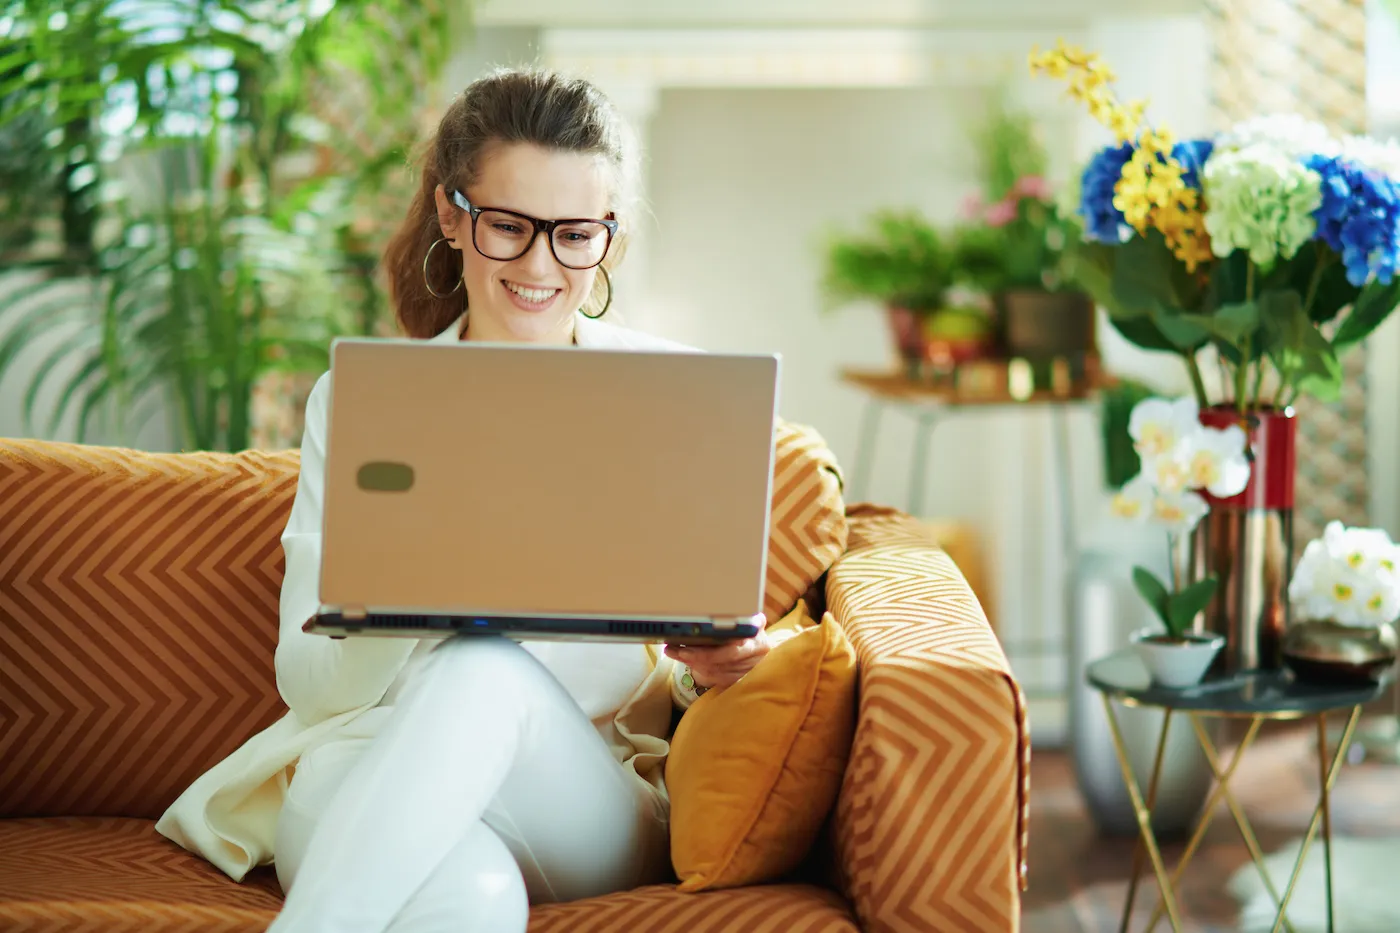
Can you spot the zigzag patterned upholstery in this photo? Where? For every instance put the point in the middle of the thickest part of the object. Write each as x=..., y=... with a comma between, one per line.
x=138, y=597
x=930, y=826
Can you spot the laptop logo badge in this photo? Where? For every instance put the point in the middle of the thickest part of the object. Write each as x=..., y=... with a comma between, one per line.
x=383, y=476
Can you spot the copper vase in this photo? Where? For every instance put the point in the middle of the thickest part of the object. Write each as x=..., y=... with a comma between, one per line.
x=1246, y=542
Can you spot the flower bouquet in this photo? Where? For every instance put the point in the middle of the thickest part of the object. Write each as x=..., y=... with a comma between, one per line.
x=1253, y=243
x=1179, y=457
x=1346, y=597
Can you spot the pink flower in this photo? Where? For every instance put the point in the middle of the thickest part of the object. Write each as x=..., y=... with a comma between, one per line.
x=1032, y=186
x=1000, y=214
x=972, y=206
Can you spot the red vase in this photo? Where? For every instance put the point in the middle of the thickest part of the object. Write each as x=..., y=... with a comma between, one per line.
x=1246, y=542
x=907, y=330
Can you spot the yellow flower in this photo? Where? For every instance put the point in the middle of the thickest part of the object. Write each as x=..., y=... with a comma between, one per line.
x=1151, y=193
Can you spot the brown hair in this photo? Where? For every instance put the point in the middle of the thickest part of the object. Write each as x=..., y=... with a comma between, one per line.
x=506, y=106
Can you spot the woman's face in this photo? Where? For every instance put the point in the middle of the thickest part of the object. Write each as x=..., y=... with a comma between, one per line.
x=531, y=298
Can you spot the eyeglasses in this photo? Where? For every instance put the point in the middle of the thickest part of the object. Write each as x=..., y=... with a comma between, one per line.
x=505, y=235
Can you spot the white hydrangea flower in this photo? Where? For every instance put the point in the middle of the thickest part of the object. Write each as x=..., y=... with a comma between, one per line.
x=1158, y=425
x=1348, y=575
x=1217, y=462
x=1381, y=156
x=1287, y=133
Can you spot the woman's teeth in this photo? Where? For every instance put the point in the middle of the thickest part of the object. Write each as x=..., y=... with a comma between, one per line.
x=532, y=294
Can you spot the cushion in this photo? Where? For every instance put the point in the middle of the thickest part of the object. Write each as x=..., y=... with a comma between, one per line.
x=138, y=619
x=807, y=529
x=110, y=875
x=755, y=768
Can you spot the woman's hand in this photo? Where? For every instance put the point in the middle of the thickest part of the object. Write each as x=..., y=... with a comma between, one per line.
x=721, y=665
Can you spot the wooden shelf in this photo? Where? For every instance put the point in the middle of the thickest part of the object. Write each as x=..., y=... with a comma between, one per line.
x=898, y=387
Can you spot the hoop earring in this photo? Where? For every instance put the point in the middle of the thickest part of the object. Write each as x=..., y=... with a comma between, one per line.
x=607, y=280
x=429, y=285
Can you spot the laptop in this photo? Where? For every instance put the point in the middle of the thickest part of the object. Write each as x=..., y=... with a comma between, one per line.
x=546, y=493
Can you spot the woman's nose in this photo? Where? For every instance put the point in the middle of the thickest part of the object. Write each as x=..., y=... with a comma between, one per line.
x=538, y=259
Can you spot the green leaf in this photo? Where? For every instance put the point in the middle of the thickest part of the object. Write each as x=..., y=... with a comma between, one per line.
x=1143, y=276
x=1188, y=603
x=1369, y=311
x=1154, y=593
x=1299, y=351
x=1228, y=280
x=1230, y=323
x=1179, y=330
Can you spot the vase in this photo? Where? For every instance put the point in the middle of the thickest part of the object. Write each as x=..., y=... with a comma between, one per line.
x=1246, y=543
x=1327, y=652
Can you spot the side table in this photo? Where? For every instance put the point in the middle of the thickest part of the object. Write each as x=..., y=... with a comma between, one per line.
x=1257, y=697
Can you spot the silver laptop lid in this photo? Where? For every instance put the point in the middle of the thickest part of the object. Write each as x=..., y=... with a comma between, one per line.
x=514, y=480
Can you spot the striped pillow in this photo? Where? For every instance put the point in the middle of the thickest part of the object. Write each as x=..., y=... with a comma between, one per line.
x=808, y=520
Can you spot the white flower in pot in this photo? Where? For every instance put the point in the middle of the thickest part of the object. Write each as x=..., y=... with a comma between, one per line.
x=1179, y=456
x=1346, y=598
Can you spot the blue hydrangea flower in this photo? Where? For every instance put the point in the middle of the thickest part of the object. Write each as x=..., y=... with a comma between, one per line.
x=1192, y=154
x=1359, y=218
x=1103, y=221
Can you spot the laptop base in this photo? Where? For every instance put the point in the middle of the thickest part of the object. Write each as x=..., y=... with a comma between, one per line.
x=392, y=625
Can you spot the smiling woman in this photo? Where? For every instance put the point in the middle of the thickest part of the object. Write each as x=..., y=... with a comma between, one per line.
x=520, y=213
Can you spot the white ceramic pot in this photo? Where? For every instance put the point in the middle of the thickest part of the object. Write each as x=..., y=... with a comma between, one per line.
x=1176, y=663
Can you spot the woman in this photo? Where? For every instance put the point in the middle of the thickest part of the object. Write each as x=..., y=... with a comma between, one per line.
x=435, y=786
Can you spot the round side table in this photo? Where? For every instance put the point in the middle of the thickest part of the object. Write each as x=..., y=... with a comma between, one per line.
x=1255, y=696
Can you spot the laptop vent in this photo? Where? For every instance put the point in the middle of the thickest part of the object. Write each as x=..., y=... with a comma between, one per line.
x=636, y=628
x=398, y=621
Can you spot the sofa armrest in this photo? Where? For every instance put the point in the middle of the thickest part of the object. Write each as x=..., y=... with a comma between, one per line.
x=929, y=831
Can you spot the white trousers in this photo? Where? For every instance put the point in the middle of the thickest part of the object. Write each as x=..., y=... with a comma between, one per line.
x=487, y=789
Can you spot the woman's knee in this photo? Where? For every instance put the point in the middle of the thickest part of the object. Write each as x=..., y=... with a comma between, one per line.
x=473, y=664
x=477, y=888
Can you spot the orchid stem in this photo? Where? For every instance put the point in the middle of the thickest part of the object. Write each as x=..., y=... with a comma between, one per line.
x=1198, y=382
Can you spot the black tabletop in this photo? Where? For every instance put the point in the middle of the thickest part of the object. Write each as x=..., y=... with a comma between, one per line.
x=1266, y=693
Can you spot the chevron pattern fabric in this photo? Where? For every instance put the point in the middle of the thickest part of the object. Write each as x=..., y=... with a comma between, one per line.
x=138, y=618
x=112, y=875
x=107, y=875
x=1306, y=57
x=930, y=826
x=807, y=527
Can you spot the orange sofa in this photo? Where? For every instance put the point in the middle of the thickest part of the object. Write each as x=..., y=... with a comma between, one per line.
x=138, y=618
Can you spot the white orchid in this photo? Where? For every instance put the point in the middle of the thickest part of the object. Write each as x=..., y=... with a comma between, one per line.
x=1157, y=426
x=1178, y=512
x=1217, y=462
x=1134, y=500
x=1349, y=575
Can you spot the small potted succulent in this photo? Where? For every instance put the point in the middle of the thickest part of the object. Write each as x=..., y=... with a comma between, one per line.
x=1346, y=599
x=1179, y=457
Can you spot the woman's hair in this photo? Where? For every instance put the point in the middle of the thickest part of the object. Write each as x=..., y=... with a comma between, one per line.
x=507, y=106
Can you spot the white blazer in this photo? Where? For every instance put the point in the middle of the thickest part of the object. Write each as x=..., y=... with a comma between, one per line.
x=334, y=688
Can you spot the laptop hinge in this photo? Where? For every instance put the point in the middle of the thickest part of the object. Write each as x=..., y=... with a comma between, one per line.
x=353, y=612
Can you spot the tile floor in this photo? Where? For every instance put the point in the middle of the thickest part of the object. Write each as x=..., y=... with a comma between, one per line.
x=1078, y=879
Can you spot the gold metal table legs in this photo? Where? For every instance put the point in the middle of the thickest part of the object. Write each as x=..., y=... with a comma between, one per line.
x=1329, y=768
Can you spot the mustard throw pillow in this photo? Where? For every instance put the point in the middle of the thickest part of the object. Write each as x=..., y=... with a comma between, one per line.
x=754, y=769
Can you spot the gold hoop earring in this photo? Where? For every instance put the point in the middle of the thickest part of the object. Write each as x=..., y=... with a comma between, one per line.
x=607, y=280
x=429, y=285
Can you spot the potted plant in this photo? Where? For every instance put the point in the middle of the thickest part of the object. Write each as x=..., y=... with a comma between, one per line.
x=903, y=262
x=1270, y=249
x=1179, y=458
x=1040, y=315
x=1346, y=597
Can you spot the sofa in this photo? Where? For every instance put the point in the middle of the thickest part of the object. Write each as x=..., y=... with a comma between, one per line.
x=138, y=619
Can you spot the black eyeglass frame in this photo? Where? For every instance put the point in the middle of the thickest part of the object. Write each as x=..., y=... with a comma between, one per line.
x=537, y=227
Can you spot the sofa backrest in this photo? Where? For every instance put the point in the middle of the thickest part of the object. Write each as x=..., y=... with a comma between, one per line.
x=138, y=619
x=138, y=609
